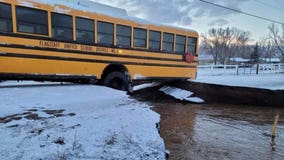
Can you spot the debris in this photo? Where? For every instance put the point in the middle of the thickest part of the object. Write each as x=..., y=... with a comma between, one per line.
x=273, y=145
x=195, y=99
x=181, y=94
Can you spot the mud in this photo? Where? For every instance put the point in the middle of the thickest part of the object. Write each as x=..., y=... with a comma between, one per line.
x=220, y=131
x=33, y=114
x=219, y=94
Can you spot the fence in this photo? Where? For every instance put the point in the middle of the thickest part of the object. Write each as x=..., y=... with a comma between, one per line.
x=241, y=69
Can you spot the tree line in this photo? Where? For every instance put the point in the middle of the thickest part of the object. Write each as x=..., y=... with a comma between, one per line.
x=226, y=43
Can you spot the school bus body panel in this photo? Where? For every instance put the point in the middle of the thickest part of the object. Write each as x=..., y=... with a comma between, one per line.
x=45, y=67
x=146, y=72
x=53, y=67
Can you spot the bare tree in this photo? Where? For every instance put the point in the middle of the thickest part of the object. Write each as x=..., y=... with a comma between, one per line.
x=268, y=49
x=277, y=39
x=223, y=44
x=255, y=55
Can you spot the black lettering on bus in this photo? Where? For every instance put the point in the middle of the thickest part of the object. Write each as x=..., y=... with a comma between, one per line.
x=101, y=49
x=70, y=46
x=49, y=44
x=86, y=48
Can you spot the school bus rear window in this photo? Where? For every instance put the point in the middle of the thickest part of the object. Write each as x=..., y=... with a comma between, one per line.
x=168, y=42
x=62, y=27
x=31, y=20
x=5, y=18
x=123, y=36
x=105, y=33
x=140, y=36
x=84, y=30
x=180, y=44
x=154, y=40
x=191, y=45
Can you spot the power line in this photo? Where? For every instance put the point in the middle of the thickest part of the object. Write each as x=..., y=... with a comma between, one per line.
x=267, y=4
x=245, y=13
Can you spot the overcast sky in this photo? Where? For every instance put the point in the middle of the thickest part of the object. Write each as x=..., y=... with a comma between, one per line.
x=200, y=16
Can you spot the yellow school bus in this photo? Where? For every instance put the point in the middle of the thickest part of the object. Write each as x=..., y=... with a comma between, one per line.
x=56, y=41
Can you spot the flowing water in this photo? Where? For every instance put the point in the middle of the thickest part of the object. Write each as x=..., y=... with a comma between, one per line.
x=220, y=131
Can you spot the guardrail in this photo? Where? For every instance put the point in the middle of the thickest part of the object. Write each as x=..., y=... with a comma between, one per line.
x=241, y=69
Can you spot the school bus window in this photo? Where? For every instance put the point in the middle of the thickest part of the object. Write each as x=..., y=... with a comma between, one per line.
x=191, y=45
x=168, y=42
x=84, y=30
x=123, y=36
x=180, y=44
x=62, y=27
x=105, y=33
x=140, y=36
x=31, y=20
x=155, y=40
x=5, y=18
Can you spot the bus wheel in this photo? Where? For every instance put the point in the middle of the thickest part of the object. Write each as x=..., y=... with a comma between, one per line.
x=116, y=80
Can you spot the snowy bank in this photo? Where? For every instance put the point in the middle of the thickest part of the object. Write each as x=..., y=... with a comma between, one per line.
x=76, y=122
x=263, y=81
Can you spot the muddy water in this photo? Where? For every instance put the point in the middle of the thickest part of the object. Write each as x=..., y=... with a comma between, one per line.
x=220, y=131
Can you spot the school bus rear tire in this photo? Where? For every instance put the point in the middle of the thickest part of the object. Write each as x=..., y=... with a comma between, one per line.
x=116, y=80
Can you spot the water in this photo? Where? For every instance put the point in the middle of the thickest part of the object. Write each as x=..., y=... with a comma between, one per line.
x=220, y=131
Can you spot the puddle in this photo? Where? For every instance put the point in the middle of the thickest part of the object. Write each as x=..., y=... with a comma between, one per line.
x=220, y=131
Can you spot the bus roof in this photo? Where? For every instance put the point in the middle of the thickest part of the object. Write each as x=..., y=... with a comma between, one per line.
x=91, y=6
x=84, y=5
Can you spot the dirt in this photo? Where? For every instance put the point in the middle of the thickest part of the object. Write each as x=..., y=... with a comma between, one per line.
x=54, y=112
x=217, y=94
x=220, y=94
x=33, y=117
x=60, y=141
x=33, y=114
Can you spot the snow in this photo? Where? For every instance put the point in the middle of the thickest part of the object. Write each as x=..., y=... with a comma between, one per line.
x=263, y=81
x=27, y=83
x=61, y=10
x=76, y=122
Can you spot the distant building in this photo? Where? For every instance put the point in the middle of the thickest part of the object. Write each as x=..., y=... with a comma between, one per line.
x=205, y=58
x=270, y=60
x=239, y=60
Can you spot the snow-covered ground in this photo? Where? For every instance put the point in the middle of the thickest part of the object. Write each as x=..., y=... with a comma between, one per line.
x=265, y=81
x=28, y=83
x=76, y=122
